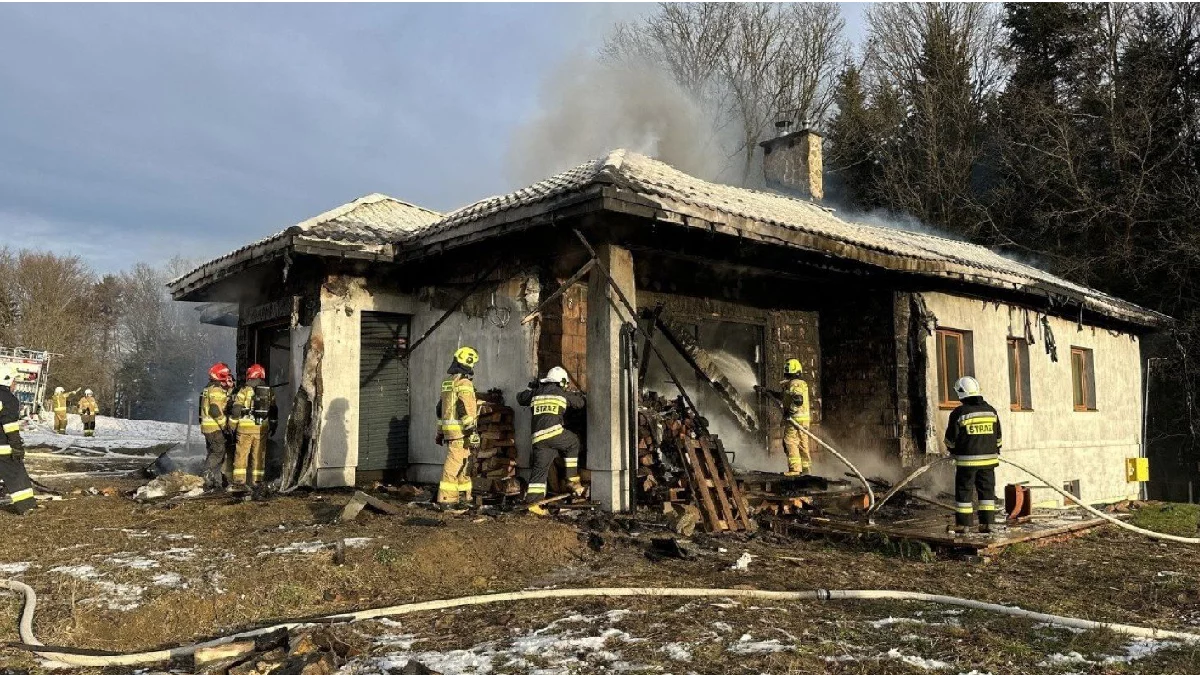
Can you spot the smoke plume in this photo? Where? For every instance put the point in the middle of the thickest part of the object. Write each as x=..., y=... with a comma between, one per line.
x=588, y=108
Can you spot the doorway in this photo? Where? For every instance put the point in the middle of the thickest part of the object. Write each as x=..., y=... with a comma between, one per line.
x=383, y=393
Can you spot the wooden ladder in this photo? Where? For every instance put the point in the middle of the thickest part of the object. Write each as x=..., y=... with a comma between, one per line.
x=714, y=488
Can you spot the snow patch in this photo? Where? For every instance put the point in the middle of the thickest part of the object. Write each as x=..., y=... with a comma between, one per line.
x=558, y=648
x=118, y=597
x=133, y=562
x=677, y=651
x=722, y=626
x=742, y=563
x=893, y=620
x=357, y=542
x=746, y=645
x=14, y=568
x=916, y=661
x=1140, y=649
x=298, y=547
x=77, y=571
x=169, y=579
x=1069, y=658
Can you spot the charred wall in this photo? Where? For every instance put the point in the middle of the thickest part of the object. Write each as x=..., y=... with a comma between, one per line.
x=858, y=355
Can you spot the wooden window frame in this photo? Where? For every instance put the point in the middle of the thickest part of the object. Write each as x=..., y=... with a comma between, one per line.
x=1088, y=375
x=1018, y=349
x=966, y=355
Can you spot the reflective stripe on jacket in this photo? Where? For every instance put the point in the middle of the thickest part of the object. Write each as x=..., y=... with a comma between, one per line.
x=549, y=402
x=457, y=409
x=973, y=435
x=213, y=401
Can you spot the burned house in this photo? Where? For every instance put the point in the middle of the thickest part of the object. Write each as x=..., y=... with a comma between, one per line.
x=728, y=283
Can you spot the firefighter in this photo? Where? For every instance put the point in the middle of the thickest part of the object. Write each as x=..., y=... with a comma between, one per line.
x=12, y=449
x=973, y=438
x=794, y=399
x=254, y=416
x=457, y=414
x=550, y=398
x=88, y=409
x=214, y=423
x=58, y=402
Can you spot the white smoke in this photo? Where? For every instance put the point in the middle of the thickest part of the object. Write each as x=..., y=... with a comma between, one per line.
x=588, y=108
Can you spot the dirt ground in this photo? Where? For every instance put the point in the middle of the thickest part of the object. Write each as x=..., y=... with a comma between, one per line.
x=113, y=574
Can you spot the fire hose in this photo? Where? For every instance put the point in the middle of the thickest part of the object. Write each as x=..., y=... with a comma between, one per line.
x=1161, y=536
x=78, y=657
x=830, y=448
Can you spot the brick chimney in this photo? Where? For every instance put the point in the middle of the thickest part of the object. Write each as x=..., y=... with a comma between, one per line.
x=792, y=160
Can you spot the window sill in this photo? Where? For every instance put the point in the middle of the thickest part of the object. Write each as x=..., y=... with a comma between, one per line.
x=949, y=406
x=1087, y=410
x=1020, y=409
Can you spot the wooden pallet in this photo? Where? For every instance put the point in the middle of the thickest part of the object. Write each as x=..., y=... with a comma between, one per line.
x=714, y=488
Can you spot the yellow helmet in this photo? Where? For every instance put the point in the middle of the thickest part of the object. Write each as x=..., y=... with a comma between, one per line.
x=466, y=356
x=793, y=367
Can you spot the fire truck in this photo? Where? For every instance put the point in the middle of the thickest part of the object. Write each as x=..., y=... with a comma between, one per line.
x=33, y=369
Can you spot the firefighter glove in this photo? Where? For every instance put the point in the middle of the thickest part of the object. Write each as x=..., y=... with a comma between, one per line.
x=475, y=440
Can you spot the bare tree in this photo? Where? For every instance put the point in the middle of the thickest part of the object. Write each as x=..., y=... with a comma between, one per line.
x=747, y=62
x=898, y=33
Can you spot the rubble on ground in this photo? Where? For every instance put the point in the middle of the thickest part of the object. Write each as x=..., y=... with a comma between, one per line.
x=171, y=485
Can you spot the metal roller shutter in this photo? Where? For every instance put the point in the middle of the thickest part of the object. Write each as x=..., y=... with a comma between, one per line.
x=383, y=392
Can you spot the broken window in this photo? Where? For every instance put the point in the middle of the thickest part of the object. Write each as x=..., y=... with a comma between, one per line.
x=955, y=359
x=1018, y=375
x=1083, y=378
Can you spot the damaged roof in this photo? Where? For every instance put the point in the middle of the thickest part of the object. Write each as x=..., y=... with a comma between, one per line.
x=363, y=228
x=666, y=194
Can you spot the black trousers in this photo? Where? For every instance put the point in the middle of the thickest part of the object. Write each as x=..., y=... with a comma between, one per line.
x=214, y=461
x=565, y=445
x=970, y=482
x=16, y=483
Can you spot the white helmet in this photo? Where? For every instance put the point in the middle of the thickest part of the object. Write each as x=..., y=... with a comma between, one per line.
x=87, y=392
x=557, y=375
x=59, y=390
x=967, y=387
x=8, y=375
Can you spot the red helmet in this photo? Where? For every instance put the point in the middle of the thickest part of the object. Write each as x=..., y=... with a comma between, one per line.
x=256, y=372
x=221, y=373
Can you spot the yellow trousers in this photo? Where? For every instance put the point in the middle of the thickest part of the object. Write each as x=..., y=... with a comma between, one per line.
x=250, y=455
x=455, y=484
x=795, y=442
x=60, y=421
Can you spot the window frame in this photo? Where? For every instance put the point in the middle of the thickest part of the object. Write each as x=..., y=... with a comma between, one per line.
x=1086, y=379
x=966, y=356
x=1018, y=349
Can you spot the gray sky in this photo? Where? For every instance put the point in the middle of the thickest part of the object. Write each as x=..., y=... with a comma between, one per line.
x=138, y=132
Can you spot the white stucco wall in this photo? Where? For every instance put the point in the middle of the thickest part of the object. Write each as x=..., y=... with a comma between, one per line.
x=506, y=362
x=1052, y=439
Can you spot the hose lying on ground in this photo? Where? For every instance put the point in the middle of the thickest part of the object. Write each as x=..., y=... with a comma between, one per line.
x=1067, y=495
x=865, y=482
x=62, y=655
x=1096, y=512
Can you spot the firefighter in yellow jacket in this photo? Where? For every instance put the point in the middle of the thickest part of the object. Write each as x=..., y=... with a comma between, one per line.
x=254, y=416
x=794, y=399
x=458, y=413
x=58, y=402
x=88, y=409
x=214, y=423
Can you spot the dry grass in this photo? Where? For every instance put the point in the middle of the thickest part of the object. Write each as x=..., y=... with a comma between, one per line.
x=235, y=581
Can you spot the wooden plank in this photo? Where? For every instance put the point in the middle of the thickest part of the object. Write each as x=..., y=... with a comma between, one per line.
x=735, y=492
x=699, y=493
x=719, y=487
